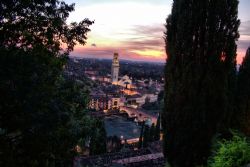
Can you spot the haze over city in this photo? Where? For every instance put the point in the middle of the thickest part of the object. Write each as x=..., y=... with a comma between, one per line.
x=135, y=28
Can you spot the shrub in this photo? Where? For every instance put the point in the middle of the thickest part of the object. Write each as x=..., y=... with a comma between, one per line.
x=231, y=153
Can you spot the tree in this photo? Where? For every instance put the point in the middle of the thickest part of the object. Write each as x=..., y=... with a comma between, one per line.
x=32, y=22
x=230, y=153
x=146, y=136
x=140, y=144
x=244, y=94
x=152, y=133
x=114, y=144
x=200, y=77
x=158, y=128
x=41, y=114
x=98, y=139
x=160, y=96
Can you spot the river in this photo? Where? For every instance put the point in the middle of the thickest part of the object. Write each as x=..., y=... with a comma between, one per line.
x=121, y=127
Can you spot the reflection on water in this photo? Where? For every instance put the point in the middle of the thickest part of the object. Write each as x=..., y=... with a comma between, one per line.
x=120, y=126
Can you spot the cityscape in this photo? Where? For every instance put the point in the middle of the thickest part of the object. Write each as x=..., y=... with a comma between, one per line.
x=126, y=104
x=124, y=83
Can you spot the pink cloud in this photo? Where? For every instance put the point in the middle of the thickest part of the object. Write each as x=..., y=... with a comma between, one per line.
x=143, y=38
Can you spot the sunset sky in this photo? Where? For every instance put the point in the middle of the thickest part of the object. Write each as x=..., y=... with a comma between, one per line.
x=134, y=28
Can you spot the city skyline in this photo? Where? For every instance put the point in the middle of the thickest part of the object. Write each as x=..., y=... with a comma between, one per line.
x=135, y=29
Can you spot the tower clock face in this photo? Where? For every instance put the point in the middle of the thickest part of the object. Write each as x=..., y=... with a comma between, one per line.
x=115, y=59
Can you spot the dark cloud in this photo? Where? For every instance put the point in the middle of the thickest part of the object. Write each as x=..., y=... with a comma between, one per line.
x=151, y=43
x=147, y=37
x=244, y=41
x=106, y=52
x=245, y=28
x=149, y=30
x=93, y=45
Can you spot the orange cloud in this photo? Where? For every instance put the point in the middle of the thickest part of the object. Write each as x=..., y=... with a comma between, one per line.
x=149, y=53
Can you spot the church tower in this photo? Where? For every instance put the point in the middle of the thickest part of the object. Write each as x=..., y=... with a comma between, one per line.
x=115, y=69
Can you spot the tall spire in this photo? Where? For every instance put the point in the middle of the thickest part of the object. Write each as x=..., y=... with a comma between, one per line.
x=115, y=69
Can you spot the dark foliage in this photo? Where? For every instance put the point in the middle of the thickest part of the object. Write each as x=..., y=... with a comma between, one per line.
x=200, y=77
x=25, y=23
x=151, y=133
x=114, y=144
x=151, y=105
x=140, y=144
x=41, y=114
x=244, y=94
x=158, y=128
x=232, y=152
x=146, y=136
x=98, y=138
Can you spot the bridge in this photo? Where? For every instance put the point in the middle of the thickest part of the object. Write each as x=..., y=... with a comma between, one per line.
x=127, y=111
x=101, y=114
x=139, y=114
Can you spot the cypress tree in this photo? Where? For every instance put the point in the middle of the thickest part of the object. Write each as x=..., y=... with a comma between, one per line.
x=244, y=94
x=152, y=133
x=146, y=136
x=158, y=128
x=200, y=77
x=140, y=144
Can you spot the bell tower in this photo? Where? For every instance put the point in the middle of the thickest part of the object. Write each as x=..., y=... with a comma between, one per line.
x=115, y=69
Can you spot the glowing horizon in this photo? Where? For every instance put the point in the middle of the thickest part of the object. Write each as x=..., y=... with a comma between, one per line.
x=135, y=28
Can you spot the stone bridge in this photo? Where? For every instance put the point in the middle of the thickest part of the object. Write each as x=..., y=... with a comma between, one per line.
x=139, y=114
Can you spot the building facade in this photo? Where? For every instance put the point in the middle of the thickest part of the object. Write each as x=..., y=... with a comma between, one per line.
x=100, y=103
x=104, y=103
x=125, y=82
